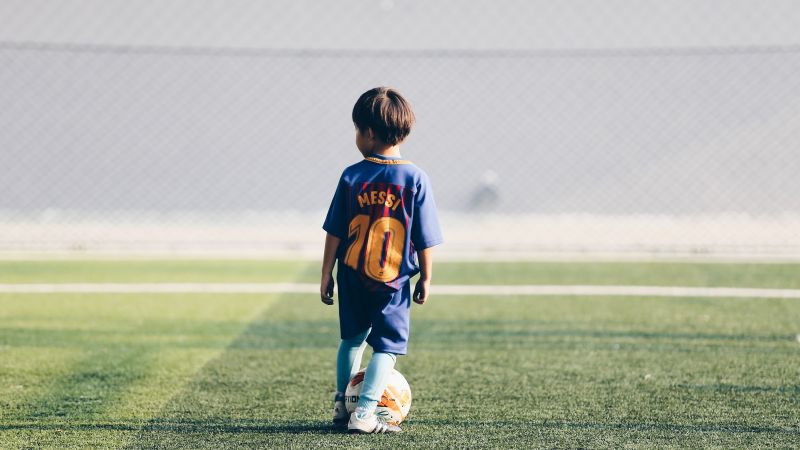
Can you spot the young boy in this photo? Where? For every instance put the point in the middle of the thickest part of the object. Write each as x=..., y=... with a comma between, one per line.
x=381, y=226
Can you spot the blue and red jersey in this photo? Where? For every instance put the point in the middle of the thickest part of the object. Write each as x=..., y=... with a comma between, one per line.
x=384, y=212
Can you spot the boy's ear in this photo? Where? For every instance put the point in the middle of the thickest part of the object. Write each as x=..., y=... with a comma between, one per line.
x=370, y=134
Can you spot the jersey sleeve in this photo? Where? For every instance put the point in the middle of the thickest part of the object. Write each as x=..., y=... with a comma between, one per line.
x=425, y=229
x=336, y=220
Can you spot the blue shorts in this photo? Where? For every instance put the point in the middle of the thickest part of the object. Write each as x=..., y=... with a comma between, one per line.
x=364, y=304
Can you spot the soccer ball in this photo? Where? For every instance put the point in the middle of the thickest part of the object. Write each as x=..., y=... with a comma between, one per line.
x=395, y=401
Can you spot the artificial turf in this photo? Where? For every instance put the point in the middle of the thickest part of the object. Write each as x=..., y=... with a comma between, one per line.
x=247, y=371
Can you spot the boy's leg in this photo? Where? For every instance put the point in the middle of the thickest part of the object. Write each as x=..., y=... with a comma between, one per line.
x=389, y=317
x=375, y=380
x=354, y=328
x=388, y=338
x=364, y=420
x=348, y=361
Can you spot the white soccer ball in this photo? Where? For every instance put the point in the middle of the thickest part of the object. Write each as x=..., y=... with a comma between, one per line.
x=394, y=403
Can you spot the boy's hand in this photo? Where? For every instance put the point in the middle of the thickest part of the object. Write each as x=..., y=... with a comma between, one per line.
x=421, y=291
x=326, y=289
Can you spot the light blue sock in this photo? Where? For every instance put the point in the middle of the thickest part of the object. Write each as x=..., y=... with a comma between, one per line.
x=348, y=361
x=375, y=380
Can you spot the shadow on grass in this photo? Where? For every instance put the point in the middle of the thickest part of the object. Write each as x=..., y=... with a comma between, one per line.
x=186, y=426
x=270, y=375
x=627, y=426
x=91, y=387
x=727, y=388
x=275, y=427
x=435, y=330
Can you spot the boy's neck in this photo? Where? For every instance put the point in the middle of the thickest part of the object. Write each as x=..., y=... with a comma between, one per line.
x=392, y=151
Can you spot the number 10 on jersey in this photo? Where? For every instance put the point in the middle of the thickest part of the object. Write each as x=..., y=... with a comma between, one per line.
x=384, y=246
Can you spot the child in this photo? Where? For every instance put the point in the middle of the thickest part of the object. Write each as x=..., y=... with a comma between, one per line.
x=381, y=221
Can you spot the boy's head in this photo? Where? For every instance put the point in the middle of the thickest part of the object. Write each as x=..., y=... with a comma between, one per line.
x=386, y=113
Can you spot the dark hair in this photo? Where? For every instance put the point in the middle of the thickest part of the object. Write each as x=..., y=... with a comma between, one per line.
x=386, y=113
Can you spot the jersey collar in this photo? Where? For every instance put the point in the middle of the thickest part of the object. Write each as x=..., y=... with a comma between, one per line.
x=380, y=159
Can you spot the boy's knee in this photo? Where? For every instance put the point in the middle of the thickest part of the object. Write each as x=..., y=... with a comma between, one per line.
x=392, y=356
x=355, y=341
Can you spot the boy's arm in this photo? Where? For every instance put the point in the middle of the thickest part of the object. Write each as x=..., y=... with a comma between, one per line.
x=328, y=260
x=423, y=286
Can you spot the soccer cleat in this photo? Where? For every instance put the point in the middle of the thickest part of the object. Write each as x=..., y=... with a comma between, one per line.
x=340, y=414
x=370, y=424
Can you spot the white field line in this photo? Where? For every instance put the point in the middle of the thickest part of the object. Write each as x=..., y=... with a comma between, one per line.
x=455, y=290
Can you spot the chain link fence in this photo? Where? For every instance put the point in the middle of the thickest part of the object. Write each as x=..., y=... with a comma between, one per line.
x=657, y=151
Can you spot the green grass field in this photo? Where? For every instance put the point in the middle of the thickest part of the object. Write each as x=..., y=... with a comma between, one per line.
x=247, y=371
